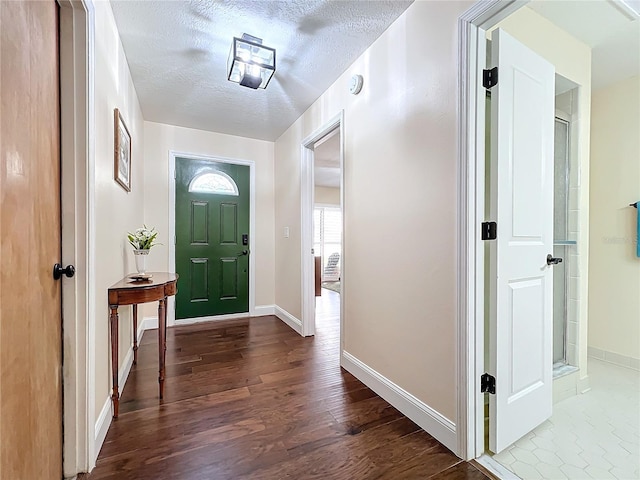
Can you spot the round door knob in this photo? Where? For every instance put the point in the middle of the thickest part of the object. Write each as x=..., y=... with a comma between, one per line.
x=70, y=271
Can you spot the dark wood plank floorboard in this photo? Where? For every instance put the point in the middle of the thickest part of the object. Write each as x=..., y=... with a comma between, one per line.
x=252, y=399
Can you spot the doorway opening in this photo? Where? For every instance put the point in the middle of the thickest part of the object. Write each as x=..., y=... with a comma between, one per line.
x=575, y=441
x=323, y=230
x=327, y=231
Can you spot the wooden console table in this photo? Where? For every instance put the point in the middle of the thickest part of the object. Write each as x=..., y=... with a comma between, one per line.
x=130, y=292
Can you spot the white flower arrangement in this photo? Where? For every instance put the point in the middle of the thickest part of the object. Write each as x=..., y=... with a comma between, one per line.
x=143, y=238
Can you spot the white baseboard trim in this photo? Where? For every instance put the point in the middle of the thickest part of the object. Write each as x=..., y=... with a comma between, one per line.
x=496, y=468
x=263, y=310
x=102, y=427
x=615, y=358
x=289, y=319
x=147, y=323
x=434, y=423
x=213, y=318
x=125, y=368
x=104, y=419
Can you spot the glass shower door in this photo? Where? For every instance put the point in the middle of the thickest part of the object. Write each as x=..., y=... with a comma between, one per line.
x=561, y=242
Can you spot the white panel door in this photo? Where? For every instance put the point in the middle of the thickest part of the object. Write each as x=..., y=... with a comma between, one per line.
x=521, y=286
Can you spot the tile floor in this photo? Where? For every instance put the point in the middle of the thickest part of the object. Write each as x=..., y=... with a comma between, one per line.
x=591, y=436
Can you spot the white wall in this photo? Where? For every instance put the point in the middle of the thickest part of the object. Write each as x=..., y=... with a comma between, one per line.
x=572, y=60
x=116, y=211
x=614, y=286
x=159, y=140
x=326, y=195
x=400, y=181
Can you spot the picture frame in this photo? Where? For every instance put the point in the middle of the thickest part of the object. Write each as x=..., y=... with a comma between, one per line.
x=122, y=152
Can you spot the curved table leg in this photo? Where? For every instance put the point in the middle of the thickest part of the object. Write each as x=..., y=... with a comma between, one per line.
x=115, y=396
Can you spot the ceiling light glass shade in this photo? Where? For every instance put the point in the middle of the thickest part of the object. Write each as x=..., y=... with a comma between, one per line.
x=250, y=63
x=632, y=6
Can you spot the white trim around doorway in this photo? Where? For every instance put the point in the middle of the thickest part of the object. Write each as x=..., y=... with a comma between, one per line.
x=472, y=26
x=77, y=142
x=307, y=204
x=171, y=312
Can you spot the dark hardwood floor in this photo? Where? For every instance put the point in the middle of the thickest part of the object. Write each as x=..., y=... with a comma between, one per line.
x=252, y=399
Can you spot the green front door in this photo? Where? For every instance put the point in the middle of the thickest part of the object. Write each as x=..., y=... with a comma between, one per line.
x=212, y=238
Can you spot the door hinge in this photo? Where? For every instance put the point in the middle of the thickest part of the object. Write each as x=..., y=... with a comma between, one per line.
x=174, y=240
x=488, y=384
x=489, y=230
x=490, y=77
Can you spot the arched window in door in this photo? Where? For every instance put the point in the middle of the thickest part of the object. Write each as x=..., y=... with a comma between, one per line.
x=215, y=182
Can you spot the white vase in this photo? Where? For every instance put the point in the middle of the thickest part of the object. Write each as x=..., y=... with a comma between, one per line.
x=141, y=260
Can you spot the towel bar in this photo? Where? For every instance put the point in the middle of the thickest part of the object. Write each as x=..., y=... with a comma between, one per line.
x=634, y=205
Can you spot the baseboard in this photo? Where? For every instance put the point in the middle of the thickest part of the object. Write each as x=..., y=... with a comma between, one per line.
x=125, y=368
x=289, y=319
x=214, y=318
x=104, y=419
x=262, y=310
x=102, y=427
x=615, y=358
x=147, y=323
x=434, y=423
x=152, y=322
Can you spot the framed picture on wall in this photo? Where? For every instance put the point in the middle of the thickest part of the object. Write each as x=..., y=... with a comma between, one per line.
x=122, y=152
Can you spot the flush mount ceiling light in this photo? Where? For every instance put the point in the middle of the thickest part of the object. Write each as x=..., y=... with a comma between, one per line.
x=250, y=63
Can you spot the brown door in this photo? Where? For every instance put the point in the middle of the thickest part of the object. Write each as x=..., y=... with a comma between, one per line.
x=30, y=315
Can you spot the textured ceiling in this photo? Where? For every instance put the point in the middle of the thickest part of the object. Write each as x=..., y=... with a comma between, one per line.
x=177, y=53
x=610, y=29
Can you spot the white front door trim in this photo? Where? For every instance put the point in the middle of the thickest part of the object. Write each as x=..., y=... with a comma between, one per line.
x=171, y=311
